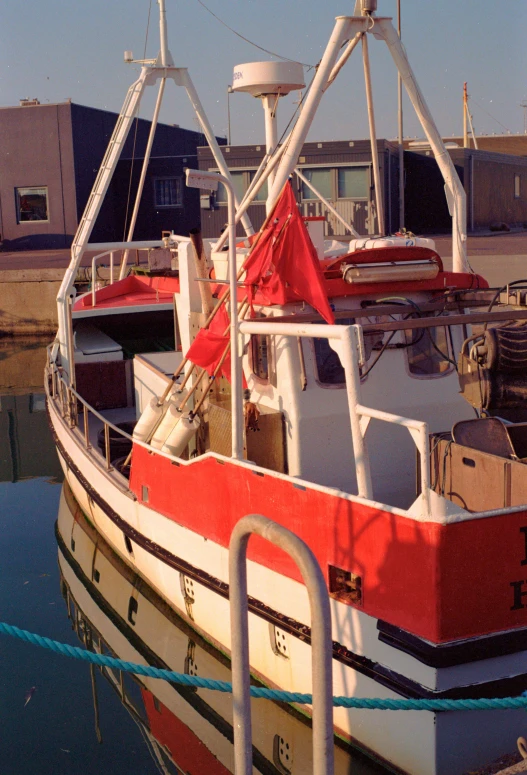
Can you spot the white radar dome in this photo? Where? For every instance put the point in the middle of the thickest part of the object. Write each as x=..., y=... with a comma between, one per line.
x=259, y=78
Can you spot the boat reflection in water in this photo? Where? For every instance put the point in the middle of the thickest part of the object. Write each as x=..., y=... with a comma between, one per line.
x=187, y=730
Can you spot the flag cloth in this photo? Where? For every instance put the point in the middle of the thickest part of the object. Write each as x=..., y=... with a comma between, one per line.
x=285, y=256
x=209, y=345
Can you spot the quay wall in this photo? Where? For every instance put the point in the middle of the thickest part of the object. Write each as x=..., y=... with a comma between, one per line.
x=28, y=303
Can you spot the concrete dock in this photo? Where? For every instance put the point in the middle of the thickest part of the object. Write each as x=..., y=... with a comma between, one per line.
x=30, y=280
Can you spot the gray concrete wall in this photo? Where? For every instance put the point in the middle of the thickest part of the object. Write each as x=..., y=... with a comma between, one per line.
x=28, y=301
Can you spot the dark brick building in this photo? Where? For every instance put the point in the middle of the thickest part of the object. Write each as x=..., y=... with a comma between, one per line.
x=49, y=159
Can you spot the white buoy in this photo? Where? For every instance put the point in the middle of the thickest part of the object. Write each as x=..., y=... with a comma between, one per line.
x=170, y=420
x=152, y=413
x=181, y=435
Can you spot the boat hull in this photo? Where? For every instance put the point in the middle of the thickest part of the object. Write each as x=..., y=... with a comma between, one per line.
x=190, y=571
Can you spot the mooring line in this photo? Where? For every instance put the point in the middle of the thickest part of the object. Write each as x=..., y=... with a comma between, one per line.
x=365, y=703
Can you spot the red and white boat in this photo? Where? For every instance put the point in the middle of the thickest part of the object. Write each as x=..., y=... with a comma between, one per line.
x=114, y=612
x=352, y=431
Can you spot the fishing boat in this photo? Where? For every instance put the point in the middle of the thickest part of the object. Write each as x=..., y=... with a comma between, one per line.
x=113, y=611
x=361, y=395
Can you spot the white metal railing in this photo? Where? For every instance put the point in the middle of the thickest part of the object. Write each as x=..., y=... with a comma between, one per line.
x=348, y=343
x=68, y=400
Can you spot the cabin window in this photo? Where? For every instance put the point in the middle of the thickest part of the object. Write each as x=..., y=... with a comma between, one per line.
x=320, y=177
x=329, y=370
x=428, y=352
x=168, y=192
x=32, y=204
x=517, y=186
x=353, y=182
x=259, y=357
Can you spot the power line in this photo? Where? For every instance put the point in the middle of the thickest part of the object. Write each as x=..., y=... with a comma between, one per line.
x=266, y=50
x=490, y=114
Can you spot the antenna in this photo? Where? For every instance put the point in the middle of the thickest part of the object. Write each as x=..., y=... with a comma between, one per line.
x=523, y=104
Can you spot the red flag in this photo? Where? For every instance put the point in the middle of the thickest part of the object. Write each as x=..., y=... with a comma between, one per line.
x=285, y=256
x=209, y=345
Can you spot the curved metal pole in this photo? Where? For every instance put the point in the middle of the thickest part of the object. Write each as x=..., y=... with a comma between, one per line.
x=320, y=82
x=455, y=192
x=323, y=747
x=186, y=81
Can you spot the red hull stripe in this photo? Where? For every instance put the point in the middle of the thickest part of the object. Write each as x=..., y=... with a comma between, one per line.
x=442, y=583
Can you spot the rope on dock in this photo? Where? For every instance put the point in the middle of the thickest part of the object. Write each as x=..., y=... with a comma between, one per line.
x=103, y=660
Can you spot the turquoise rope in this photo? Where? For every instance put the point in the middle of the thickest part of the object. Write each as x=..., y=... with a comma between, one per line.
x=505, y=703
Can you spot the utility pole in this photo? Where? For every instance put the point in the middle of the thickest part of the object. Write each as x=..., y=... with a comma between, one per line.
x=467, y=119
x=523, y=105
x=465, y=111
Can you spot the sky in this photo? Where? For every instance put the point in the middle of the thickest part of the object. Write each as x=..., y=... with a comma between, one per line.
x=55, y=50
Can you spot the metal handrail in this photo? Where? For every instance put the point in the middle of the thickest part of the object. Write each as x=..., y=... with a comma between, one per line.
x=321, y=662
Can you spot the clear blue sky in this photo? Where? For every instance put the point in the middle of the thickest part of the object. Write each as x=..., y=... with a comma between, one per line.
x=57, y=49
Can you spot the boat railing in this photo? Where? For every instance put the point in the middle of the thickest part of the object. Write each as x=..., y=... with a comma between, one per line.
x=69, y=399
x=347, y=341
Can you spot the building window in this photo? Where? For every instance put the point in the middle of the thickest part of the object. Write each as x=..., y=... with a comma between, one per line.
x=517, y=187
x=320, y=177
x=261, y=196
x=239, y=184
x=337, y=182
x=241, y=180
x=32, y=204
x=168, y=192
x=352, y=182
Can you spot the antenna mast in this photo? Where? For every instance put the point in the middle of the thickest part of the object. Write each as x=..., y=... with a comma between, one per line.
x=523, y=104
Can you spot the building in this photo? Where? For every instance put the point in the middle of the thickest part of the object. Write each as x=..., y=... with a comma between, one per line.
x=49, y=159
x=340, y=170
x=513, y=145
x=495, y=185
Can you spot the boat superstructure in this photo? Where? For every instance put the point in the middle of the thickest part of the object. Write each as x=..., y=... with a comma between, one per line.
x=343, y=416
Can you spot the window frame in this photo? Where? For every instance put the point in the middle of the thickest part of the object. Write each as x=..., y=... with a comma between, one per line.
x=179, y=191
x=18, y=197
x=333, y=168
x=246, y=172
x=440, y=375
x=517, y=185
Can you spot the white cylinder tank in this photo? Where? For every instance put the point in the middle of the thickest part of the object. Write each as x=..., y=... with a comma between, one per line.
x=181, y=435
x=170, y=420
x=152, y=413
x=259, y=78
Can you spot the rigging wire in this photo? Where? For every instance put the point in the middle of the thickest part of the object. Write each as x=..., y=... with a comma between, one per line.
x=471, y=99
x=266, y=50
x=135, y=136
